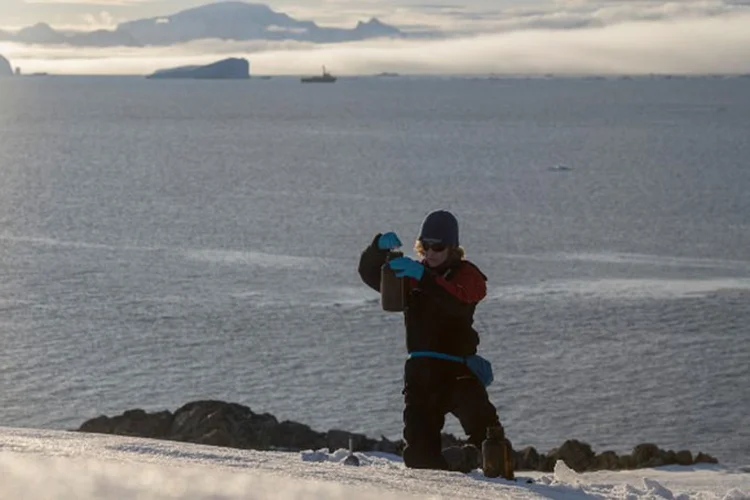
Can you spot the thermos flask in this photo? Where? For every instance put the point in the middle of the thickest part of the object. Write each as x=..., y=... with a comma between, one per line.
x=392, y=296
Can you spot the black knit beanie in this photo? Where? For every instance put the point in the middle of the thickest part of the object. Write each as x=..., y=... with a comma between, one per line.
x=440, y=226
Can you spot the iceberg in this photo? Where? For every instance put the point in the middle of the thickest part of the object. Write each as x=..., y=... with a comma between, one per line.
x=226, y=69
x=5, y=67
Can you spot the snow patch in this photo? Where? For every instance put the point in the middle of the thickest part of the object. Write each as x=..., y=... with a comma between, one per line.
x=96, y=466
x=655, y=488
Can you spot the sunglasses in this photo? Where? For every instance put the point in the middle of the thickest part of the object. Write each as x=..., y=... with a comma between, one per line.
x=435, y=247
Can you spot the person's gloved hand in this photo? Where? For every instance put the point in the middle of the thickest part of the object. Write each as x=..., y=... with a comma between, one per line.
x=388, y=241
x=406, y=267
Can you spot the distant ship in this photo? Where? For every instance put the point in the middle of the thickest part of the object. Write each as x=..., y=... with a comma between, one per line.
x=324, y=78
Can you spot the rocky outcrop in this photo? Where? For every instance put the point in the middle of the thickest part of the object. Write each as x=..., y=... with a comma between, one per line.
x=227, y=69
x=580, y=457
x=232, y=425
x=5, y=67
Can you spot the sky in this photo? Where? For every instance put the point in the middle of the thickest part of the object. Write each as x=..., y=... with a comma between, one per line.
x=60, y=465
x=481, y=36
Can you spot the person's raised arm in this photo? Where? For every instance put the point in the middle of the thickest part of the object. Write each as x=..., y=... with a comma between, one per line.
x=374, y=256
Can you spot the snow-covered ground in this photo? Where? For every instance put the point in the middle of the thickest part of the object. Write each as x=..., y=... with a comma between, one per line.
x=43, y=464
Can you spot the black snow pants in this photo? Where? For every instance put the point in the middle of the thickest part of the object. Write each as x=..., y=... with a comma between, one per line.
x=432, y=389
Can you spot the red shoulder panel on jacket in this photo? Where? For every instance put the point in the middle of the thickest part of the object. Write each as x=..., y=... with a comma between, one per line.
x=468, y=284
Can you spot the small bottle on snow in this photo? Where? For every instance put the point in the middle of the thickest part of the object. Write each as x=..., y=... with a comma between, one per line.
x=496, y=458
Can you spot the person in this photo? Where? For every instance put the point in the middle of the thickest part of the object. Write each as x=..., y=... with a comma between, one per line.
x=443, y=291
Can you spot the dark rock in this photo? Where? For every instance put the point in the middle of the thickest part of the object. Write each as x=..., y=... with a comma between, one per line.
x=626, y=462
x=194, y=421
x=338, y=439
x=657, y=461
x=227, y=69
x=645, y=453
x=233, y=425
x=527, y=459
x=472, y=456
x=668, y=457
x=576, y=455
x=703, y=458
x=607, y=460
x=684, y=457
x=546, y=463
x=101, y=424
x=216, y=437
x=132, y=423
x=216, y=423
x=386, y=446
x=290, y=435
x=448, y=440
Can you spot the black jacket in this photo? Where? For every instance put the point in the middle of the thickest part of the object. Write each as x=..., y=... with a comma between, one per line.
x=439, y=311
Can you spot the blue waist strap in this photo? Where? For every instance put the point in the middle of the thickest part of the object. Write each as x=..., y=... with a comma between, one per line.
x=476, y=363
x=433, y=354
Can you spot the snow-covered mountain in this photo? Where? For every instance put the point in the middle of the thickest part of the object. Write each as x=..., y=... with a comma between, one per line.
x=40, y=33
x=223, y=20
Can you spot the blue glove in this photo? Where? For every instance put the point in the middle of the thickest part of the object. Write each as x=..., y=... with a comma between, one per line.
x=388, y=241
x=406, y=267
